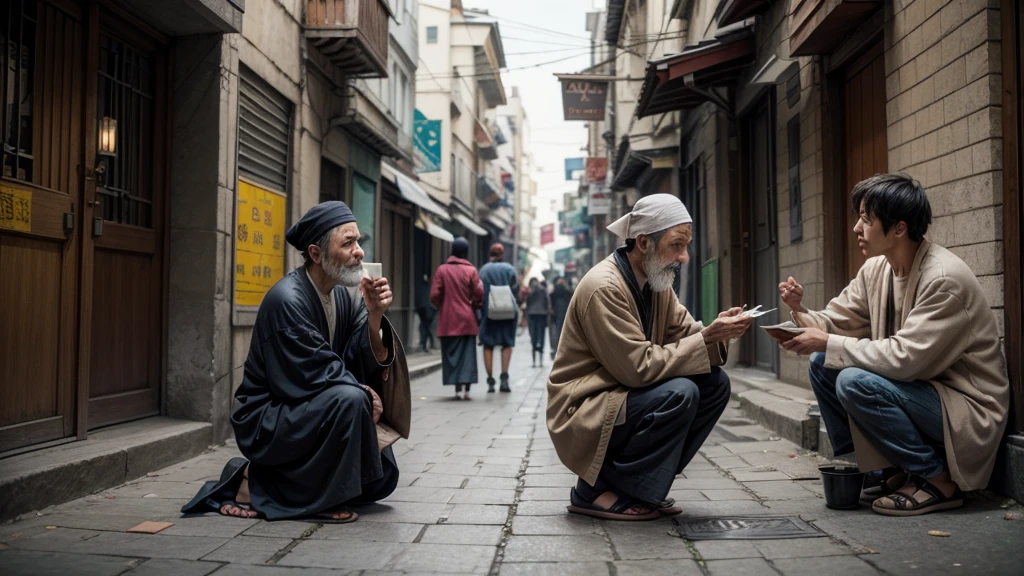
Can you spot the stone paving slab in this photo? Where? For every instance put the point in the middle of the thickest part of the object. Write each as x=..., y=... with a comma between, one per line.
x=555, y=569
x=248, y=550
x=168, y=567
x=746, y=567
x=443, y=559
x=556, y=548
x=463, y=534
x=28, y=563
x=560, y=525
x=657, y=568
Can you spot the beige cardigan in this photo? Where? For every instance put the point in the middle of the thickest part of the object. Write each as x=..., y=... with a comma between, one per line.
x=948, y=337
x=603, y=352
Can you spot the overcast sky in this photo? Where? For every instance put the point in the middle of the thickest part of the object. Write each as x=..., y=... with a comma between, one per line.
x=529, y=55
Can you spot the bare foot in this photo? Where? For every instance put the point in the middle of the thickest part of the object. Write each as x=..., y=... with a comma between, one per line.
x=242, y=509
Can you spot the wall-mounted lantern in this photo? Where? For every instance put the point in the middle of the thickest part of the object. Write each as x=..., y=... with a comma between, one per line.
x=108, y=136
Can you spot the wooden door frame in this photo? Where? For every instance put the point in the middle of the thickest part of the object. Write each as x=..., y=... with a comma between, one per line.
x=113, y=18
x=1012, y=59
x=835, y=200
x=748, y=285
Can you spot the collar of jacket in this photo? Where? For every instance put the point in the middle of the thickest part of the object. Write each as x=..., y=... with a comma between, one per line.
x=457, y=260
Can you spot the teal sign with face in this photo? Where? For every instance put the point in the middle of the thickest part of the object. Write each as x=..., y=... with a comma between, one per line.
x=426, y=143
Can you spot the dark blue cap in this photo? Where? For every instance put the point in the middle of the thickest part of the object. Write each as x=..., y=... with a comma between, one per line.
x=317, y=222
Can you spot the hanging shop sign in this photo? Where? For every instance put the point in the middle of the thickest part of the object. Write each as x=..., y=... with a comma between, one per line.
x=599, y=202
x=583, y=96
x=597, y=169
x=547, y=234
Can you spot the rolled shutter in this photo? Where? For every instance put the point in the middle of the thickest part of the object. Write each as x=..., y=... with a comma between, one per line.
x=264, y=133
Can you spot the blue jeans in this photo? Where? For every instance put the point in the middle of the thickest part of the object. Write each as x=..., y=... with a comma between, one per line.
x=903, y=420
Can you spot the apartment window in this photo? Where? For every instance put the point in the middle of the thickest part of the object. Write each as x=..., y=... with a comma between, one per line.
x=431, y=34
x=403, y=87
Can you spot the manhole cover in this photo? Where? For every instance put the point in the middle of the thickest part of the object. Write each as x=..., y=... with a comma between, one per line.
x=750, y=528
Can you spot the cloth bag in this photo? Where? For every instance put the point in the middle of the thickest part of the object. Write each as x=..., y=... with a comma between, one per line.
x=501, y=303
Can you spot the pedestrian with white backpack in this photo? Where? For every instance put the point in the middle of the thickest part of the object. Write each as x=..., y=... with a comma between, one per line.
x=500, y=312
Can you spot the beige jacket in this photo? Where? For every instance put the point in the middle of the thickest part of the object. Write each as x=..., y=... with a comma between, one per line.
x=603, y=352
x=948, y=337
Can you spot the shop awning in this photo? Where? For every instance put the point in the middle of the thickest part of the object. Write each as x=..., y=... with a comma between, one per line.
x=470, y=225
x=686, y=80
x=425, y=223
x=412, y=192
x=820, y=26
x=733, y=11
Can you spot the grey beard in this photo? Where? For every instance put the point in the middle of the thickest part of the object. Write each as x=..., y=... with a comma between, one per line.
x=660, y=275
x=347, y=276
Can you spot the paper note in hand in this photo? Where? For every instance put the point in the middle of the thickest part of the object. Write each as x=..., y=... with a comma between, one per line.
x=783, y=332
x=756, y=312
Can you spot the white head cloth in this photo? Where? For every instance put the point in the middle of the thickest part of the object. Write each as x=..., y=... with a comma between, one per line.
x=651, y=214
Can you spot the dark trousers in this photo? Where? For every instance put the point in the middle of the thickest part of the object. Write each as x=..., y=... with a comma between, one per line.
x=903, y=420
x=665, y=426
x=538, y=329
x=426, y=315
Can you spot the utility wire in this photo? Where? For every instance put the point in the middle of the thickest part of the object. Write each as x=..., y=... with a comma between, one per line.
x=509, y=20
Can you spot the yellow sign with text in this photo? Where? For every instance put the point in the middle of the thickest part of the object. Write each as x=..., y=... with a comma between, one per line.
x=15, y=209
x=259, y=242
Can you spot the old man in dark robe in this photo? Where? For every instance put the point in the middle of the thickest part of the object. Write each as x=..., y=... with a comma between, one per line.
x=325, y=390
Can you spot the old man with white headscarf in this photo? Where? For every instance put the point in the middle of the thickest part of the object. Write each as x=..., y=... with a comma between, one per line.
x=636, y=386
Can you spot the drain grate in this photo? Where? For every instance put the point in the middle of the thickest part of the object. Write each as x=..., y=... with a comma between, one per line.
x=745, y=528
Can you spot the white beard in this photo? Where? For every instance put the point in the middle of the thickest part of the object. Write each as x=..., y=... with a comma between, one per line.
x=661, y=274
x=347, y=276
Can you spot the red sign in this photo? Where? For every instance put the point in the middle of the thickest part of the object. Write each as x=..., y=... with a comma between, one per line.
x=547, y=234
x=597, y=169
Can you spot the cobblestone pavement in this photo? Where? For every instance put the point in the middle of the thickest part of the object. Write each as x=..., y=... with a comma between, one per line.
x=482, y=492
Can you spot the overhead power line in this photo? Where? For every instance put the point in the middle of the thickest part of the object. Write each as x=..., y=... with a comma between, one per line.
x=511, y=21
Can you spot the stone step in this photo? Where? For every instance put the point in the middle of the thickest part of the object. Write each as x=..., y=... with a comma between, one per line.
x=780, y=407
x=109, y=457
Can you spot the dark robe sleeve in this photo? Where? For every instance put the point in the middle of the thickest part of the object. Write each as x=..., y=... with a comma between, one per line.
x=358, y=353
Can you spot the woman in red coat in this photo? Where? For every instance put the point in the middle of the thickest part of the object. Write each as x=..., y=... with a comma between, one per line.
x=457, y=292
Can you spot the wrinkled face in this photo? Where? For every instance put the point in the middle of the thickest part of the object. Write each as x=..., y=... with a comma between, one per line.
x=872, y=239
x=662, y=261
x=344, y=258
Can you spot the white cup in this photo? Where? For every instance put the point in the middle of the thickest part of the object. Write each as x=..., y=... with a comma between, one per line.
x=373, y=270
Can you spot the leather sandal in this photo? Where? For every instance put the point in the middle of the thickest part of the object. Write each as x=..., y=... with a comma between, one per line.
x=624, y=508
x=668, y=508
x=900, y=504
x=875, y=489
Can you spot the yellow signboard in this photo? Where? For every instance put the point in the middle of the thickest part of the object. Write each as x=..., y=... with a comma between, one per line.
x=15, y=209
x=259, y=242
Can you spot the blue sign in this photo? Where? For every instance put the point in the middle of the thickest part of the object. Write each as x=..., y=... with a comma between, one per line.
x=572, y=165
x=426, y=143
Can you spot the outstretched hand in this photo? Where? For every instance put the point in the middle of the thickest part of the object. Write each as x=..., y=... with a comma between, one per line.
x=728, y=326
x=811, y=340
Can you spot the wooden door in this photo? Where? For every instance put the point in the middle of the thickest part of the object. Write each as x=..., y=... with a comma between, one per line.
x=39, y=234
x=865, y=130
x=396, y=259
x=124, y=244
x=759, y=164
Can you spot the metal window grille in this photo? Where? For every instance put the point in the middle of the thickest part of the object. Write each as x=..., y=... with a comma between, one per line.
x=125, y=94
x=18, y=36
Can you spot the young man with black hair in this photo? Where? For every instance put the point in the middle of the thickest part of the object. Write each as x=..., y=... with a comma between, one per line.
x=906, y=363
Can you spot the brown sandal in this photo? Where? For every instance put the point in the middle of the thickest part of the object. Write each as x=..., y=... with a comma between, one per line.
x=624, y=508
x=900, y=504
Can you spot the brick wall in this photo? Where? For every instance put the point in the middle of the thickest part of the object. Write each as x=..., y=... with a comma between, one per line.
x=802, y=259
x=943, y=84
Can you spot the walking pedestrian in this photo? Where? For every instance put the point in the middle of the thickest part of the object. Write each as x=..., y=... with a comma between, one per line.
x=560, y=298
x=538, y=308
x=426, y=313
x=456, y=293
x=498, y=324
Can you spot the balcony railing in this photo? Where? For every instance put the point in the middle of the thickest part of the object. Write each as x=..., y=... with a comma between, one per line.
x=353, y=34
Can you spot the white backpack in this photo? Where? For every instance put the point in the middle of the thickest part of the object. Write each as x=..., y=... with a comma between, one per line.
x=501, y=303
